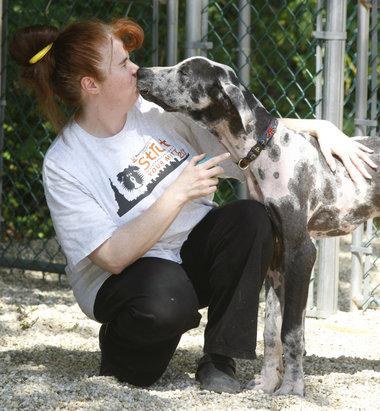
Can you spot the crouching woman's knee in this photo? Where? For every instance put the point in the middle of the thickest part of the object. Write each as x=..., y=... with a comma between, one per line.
x=154, y=318
x=173, y=316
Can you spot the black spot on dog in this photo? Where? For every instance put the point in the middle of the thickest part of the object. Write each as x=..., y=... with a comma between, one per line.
x=285, y=139
x=329, y=192
x=302, y=182
x=290, y=222
x=194, y=95
x=209, y=115
x=376, y=200
x=276, y=174
x=217, y=110
x=360, y=213
x=335, y=233
x=324, y=220
x=314, y=199
x=235, y=125
x=274, y=153
x=263, y=118
x=261, y=174
x=271, y=342
x=233, y=79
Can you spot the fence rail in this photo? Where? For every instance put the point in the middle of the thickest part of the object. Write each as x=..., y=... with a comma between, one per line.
x=287, y=52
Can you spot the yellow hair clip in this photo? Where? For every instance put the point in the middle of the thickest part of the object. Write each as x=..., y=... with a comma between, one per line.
x=40, y=54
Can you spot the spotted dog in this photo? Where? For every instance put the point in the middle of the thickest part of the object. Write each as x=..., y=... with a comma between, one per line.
x=290, y=176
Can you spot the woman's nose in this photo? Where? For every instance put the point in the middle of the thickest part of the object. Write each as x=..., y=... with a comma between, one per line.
x=135, y=67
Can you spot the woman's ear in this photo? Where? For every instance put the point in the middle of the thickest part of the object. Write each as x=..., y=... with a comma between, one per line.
x=89, y=85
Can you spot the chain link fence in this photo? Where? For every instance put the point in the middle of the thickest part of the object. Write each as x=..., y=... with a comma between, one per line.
x=27, y=234
x=364, y=20
x=270, y=44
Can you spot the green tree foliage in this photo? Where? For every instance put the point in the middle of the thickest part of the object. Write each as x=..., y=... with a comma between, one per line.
x=282, y=68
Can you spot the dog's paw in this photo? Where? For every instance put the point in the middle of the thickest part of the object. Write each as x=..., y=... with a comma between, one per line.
x=266, y=384
x=291, y=388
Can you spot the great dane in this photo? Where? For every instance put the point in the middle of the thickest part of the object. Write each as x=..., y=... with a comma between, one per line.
x=290, y=176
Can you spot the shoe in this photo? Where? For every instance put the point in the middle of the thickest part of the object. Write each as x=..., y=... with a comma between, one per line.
x=217, y=373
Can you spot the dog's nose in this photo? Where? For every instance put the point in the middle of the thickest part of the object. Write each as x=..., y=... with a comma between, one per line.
x=141, y=73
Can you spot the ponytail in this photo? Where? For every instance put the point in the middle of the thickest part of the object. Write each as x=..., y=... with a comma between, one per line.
x=75, y=52
x=26, y=43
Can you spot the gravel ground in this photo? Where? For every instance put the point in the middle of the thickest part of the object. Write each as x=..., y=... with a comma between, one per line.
x=49, y=359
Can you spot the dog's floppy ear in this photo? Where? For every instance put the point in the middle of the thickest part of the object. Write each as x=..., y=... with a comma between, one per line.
x=236, y=96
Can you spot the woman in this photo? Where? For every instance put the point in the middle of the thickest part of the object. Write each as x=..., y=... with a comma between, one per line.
x=131, y=205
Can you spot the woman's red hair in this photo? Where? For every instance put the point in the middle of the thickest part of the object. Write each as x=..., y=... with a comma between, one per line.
x=76, y=52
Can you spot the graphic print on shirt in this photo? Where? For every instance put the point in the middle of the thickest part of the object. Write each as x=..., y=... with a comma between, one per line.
x=152, y=164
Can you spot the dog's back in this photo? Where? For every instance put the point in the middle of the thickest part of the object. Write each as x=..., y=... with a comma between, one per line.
x=336, y=205
x=293, y=175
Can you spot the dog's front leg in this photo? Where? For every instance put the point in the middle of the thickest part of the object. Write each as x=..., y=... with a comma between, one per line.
x=299, y=261
x=272, y=369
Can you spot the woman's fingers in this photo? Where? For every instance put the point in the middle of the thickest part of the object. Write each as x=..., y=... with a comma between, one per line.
x=212, y=162
x=352, y=170
x=329, y=158
x=212, y=172
x=363, y=147
x=366, y=159
x=359, y=164
x=212, y=182
x=197, y=158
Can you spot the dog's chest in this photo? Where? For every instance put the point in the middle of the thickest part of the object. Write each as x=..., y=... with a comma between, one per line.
x=286, y=168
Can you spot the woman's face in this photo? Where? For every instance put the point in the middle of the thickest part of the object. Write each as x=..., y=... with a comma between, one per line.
x=118, y=90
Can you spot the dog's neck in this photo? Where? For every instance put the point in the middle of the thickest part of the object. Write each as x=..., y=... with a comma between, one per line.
x=240, y=143
x=237, y=145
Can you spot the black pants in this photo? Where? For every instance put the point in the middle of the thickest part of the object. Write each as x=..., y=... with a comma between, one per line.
x=146, y=308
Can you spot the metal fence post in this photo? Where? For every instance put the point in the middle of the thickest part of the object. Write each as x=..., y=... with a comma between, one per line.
x=311, y=308
x=244, y=39
x=332, y=110
x=244, y=53
x=196, y=28
x=361, y=97
x=3, y=34
x=172, y=46
x=155, y=18
x=193, y=27
x=204, y=29
x=374, y=65
x=373, y=123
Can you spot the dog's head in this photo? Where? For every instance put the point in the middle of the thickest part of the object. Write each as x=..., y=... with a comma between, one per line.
x=207, y=91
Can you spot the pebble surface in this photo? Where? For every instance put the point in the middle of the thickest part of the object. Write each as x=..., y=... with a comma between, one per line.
x=49, y=360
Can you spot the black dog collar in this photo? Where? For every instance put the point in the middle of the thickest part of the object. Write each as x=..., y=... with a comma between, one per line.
x=262, y=141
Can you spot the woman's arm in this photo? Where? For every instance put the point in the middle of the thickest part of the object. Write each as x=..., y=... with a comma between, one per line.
x=332, y=141
x=134, y=239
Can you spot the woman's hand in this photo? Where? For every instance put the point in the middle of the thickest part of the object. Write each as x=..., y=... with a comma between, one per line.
x=200, y=180
x=352, y=153
x=332, y=141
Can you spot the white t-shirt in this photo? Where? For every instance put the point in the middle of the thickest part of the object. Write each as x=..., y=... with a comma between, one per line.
x=95, y=185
